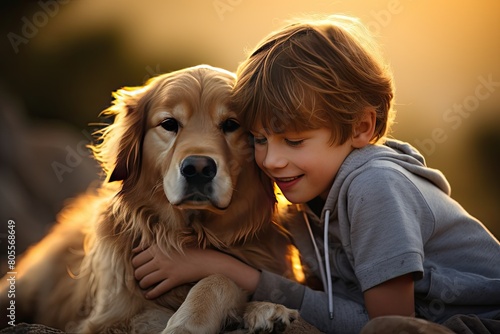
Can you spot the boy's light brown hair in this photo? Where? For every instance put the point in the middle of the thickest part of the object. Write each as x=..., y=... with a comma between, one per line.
x=315, y=74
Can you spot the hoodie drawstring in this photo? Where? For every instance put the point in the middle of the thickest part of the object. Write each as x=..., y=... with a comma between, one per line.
x=326, y=277
x=327, y=263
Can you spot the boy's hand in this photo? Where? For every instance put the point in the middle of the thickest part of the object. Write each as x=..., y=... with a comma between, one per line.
x=158, y=272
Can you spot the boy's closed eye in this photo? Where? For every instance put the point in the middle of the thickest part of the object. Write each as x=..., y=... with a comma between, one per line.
x=294, y=142
x=290, y=142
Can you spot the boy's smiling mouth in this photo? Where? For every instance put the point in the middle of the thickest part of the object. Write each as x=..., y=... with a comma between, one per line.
x=285, y=183
x=287, y=179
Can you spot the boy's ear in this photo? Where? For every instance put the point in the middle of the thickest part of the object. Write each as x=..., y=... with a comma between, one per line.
x=364, y=129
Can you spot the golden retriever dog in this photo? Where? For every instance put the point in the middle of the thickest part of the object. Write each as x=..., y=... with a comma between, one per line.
x=179, y=172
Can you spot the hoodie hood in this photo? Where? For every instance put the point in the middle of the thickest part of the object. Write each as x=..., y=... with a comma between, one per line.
x=396, y=151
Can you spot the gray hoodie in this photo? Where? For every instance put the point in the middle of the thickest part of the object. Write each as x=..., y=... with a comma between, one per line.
x=388, y=215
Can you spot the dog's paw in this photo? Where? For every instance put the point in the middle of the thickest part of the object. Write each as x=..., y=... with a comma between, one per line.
x=264, y=317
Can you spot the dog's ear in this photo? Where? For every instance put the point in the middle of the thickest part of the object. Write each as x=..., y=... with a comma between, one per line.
x=118, y=174
x=128, y=158
x=119, y=148
x=124, y=165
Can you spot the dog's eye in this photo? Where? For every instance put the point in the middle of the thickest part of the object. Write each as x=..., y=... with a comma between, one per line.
x=170, y=124
x=229, y=125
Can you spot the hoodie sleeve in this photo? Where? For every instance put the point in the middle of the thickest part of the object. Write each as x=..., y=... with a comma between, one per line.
x=389, y=221
x=350, y=316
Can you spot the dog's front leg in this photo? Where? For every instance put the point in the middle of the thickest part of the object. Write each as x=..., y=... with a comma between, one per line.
x=211, y=304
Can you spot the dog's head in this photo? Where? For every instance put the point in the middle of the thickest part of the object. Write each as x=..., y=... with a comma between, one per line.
x=177, y=136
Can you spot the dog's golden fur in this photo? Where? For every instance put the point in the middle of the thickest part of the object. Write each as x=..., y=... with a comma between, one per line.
x=80, y=277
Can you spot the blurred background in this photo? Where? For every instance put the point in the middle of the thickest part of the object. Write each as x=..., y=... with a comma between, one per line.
x=61, y=59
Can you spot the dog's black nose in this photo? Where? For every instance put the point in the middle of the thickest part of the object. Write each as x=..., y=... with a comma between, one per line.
x=198, y=169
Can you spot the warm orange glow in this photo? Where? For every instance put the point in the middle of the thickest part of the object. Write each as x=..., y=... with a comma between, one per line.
x=283, y=203
x=298, y=273
x=293, y=252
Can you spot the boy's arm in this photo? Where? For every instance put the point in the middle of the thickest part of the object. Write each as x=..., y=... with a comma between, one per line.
x=159, y=272
x=392, y=297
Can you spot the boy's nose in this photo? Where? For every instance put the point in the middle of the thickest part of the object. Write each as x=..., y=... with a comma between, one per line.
x=274, y=159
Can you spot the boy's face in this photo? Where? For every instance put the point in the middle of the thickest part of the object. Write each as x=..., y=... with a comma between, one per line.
x=303, y=164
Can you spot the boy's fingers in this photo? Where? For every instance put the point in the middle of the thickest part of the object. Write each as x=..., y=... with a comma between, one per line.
x=140, y=248
x=151, y=278
x=146, y=268
x=163, y=287
x=137, y=249
x=142, y=271
x=141, y=258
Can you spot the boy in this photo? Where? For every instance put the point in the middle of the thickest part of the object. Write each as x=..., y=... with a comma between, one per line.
x=380, y=227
